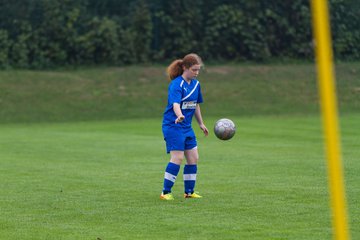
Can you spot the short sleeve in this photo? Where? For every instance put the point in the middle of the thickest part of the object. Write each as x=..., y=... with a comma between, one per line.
x=175, y=93
x=200, y=97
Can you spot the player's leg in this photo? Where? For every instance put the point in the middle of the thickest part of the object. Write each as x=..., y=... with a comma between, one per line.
x=192, y=156
x=190, y=169
x=175, y=146
x=171, y=172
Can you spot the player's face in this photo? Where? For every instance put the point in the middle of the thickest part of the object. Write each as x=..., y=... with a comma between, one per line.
x=193, y=71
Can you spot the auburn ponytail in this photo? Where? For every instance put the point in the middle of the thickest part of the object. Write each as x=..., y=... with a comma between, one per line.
x=176, y=68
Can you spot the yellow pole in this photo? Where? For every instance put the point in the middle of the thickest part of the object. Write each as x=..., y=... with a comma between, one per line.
x=327, y=91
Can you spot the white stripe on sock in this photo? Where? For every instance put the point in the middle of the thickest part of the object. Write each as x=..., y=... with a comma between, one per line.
x=170, y=177
x=189, y=177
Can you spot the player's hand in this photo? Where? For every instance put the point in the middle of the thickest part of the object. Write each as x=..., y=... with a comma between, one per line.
x=204, y=129
x=180, y=119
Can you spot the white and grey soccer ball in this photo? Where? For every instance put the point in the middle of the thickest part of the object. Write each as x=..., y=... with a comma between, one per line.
x=224, y=129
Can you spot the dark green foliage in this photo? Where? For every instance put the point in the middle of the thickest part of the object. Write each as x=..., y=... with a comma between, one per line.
x=100, y=43
x=222, y=40
x=19, y=51
x=142, y=32
x=179, y=28
x=52, y=33
x=288, y=29
x=231, y=34
x=346, y=28
x=4, y=48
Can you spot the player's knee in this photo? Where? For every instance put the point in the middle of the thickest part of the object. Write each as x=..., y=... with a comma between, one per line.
x=192, y=160
x=177, y=158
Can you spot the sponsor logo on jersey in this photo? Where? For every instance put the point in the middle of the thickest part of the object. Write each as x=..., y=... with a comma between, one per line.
x=189, y=105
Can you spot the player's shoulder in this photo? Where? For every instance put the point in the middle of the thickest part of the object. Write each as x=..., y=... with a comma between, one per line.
x=177, y=82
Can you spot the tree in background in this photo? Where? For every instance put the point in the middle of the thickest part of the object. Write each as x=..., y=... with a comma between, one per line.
x=179, y=28
x=346, y=28
x=142, y=30
x=52, y=33
x=4, y=48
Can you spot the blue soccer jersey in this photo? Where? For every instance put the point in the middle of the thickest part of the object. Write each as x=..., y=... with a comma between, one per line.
x=188, y=95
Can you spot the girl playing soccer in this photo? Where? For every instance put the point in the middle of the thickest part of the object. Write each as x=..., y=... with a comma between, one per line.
x=184, y=96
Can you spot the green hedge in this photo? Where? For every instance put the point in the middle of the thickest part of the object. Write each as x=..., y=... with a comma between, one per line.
x=52, y=33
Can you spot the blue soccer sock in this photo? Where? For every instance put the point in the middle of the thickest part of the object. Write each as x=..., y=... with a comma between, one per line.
x=171, y=173
x=190, y=178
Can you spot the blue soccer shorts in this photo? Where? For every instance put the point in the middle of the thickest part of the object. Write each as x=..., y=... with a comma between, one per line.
x=179, y=139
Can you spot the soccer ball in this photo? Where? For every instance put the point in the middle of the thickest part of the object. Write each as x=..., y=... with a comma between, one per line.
x=224, y=129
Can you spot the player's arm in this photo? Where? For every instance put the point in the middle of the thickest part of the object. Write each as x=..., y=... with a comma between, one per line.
x=178, y=113
x=200, y=120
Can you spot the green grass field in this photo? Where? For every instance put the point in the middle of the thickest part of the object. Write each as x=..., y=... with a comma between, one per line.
x=102, y=180
x=141, y=92
x=82, y=155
